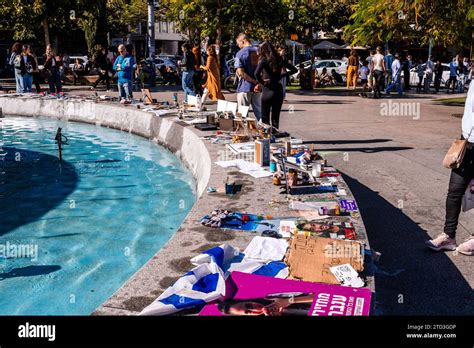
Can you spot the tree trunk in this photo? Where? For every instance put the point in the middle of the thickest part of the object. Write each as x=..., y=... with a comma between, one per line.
x=311, y=44
x=219, y=32
x=46, y=32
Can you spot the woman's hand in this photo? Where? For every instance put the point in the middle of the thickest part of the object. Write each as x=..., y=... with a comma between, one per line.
x=277, y=306
x=257, y=88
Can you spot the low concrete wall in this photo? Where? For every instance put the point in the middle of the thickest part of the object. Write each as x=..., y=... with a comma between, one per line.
x=180, y=140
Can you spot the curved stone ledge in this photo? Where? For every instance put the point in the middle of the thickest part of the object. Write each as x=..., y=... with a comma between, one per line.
x=180, y=140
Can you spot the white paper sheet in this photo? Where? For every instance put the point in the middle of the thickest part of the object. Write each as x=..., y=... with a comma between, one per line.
x=266, y=249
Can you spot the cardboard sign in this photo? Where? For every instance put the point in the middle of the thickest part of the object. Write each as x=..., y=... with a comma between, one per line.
x=311, y=257
x=308, y=299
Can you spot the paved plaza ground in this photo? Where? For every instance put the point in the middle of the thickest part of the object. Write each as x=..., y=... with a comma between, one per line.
x=392, y=164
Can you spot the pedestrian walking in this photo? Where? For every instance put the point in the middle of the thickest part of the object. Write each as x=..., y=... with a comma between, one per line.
x=102, y=66
x=187, y=66
x=378, y=69
x=396, y=76
x=268, y=74
x=459, y=181
x=248, y=89
x=212, y=87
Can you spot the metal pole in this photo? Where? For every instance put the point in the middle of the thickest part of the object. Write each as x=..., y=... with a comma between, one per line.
x=151, y=28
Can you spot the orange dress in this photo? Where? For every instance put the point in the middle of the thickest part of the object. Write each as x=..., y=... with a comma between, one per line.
x=213, y=81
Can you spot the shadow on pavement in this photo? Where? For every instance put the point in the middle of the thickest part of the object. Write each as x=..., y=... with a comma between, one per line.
x=365, y=141
x=410, y=279
x=366, y=149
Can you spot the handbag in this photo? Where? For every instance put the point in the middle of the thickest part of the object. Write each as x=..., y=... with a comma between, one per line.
x=455, y=154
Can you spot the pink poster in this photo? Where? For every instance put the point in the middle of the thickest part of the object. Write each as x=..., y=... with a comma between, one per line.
x=250, y=294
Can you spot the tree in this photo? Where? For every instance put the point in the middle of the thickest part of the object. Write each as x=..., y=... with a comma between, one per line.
x=446, y=22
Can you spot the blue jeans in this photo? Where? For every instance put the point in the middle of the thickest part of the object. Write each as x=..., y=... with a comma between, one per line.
x=396, y=82
x=27, y=83
x=20, y=87
x=54, y=82
x=187, y=82
x=125, y=90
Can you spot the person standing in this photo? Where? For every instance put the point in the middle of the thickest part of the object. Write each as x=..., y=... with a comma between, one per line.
x=458, y=183
x=407, y=65
x=124, y=65
x=28, y=65
x=388, y=65
x=420, y=71
x=370, y=77
x=453, y=74
x=102, y=66
x=52, y=65
x=198, y=72
x=396, y=76
x=352, y=69
x=428, y=75
x=187, y=66
x=269, y=74
x=36, y=73
x=248, y=89
x=15, y=62
x=378, y=70
x=284, y=79
x=438, y=73
x=364, y=73
x=212, y=88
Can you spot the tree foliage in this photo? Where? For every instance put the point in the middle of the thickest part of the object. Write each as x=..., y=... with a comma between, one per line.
x=446, y=22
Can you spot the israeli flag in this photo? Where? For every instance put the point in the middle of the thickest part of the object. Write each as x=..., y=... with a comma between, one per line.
x=204, y=283
x=230, y=260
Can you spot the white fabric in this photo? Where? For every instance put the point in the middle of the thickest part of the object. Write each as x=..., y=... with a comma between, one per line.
x=250, y=266
x=266, y=249
x=396, y=66
x=377, y=61
x=468, y=117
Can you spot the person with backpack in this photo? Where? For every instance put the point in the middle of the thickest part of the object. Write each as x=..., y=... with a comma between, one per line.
x=15, y=62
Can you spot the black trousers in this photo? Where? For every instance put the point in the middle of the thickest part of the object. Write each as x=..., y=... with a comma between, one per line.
x=378, y=77
x=103, y=77
x=458, y=183
x=36, y=82
x=272, y=100
x=437, y=82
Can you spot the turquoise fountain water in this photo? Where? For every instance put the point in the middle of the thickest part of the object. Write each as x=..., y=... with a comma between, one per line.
x=72, y=233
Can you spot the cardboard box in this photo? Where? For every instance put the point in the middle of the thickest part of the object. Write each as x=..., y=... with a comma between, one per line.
x=309, y=257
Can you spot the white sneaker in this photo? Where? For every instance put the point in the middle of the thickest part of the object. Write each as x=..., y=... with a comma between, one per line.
x=467, y=248
x=442, y=242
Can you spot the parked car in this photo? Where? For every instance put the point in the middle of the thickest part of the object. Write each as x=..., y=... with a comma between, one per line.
x=319, y=65
x=159, y=62
x=414, y=75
